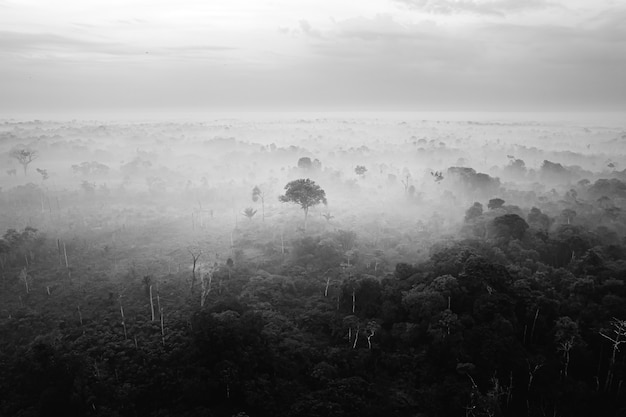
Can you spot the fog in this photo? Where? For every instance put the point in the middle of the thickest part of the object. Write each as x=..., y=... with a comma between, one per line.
x=186, y=226
x=312, y=209
x=171, y=170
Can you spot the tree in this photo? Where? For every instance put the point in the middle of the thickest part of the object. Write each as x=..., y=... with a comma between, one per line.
x=258, y=194
x=360, y=170
x=495, y=203
x=305, y=163
x=44, y=174
x=568, y=215
x=304, y=192
x=249, y=212
x=509, y=226
x=538, y=220
x=24, y=156
x=566, y=336
x=437, y=175
x=619, y=331
x=474, y=212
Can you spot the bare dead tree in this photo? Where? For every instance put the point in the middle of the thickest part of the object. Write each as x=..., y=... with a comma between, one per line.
x=80, y=316
x=565, y=347
x=619, y=337
x=195, y=255
x=123, y=318
x=406, y=181
x=356, y=335
x=372, y=328
x=532, y=329
x=532, y=371
x=151, y=304
x=206, y=281
x=24, y=278
x=162, y=327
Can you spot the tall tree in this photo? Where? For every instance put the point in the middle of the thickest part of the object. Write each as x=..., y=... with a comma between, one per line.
x=304, y=192
x=24, y=156
x=258, y=194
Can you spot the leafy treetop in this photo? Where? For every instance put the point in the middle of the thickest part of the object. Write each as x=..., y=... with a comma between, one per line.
x=304, y=192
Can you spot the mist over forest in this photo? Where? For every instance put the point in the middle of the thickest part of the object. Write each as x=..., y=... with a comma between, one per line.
x=313, y=265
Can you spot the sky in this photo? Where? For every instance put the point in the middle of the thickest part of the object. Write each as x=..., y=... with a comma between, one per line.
x=424, y=55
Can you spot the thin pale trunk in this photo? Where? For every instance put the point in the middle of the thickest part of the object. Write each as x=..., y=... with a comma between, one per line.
x=123, y=320
x=24, y=276
x=206, y=288
x=532, y=329
x=67, y=264
x=59, y=252
x=356, y=338
x=151, y=304
x=306, y=216
x=353, y=301
x=232, y=245
x=326, y=289
x=162, y=329
x=80, y=316
x=282, y=243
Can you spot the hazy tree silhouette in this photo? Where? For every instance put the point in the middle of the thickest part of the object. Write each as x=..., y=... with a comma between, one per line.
x=304, y=192
x=24, y=156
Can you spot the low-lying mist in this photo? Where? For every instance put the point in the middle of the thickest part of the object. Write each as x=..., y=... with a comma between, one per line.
x=313, y=265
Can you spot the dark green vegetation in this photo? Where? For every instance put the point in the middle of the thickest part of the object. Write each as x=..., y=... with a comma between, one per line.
x=523, y=315
x=152, y=270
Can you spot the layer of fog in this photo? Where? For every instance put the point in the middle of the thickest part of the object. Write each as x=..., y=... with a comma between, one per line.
x=413, y=179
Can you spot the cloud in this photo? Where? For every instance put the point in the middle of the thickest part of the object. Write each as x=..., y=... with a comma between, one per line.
x=383, y=41
x=30, y=41
x=479, y=7
x=307, y=29
x=47, y=45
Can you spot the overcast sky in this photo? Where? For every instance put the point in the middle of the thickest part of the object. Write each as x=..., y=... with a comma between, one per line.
x=522, y=55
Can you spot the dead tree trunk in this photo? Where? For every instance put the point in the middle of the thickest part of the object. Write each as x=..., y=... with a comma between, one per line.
x=194, y=258
x=24, y=277
x=123, y=319
x=356, y=337
x=327, y=285
x=619, y=330
x=151, y=303
x=80, y=316
x=206, y=281
x=162, y=328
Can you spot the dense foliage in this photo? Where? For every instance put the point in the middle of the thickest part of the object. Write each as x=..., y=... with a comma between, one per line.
x=522, y=316
x=153, y=270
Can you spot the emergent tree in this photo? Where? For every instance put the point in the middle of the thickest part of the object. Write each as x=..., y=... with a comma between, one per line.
x=304, y=192
x=258, y=194
x=24, y=156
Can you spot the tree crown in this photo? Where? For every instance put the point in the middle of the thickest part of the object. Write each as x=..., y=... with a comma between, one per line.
x=304, y=192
